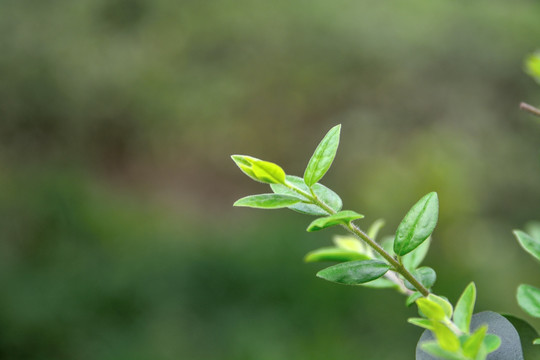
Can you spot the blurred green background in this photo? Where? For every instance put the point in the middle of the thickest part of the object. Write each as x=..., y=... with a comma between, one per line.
x=117, y=119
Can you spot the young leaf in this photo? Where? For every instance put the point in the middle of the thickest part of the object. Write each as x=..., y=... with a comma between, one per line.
x=417, y=225
x=446, y=337
x=342, y=217
x=536, y=341
x=433, y=348
x=267, y=201
x=530, y=244
x=532, y=66
x=472, y=345
x=528, y=298
x=421, y=322
x=259, y=170
x=354, y=272
x=430, y=309
x=425, y=275
x=349, y=243
x=492, y=342
x=334, y=254
x=413, y=259
x=443, y=303
x=373, y=230
x=323, y=157
x=324, y=194
x=464, y=308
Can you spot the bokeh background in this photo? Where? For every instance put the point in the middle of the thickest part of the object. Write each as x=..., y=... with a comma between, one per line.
x=117, y=118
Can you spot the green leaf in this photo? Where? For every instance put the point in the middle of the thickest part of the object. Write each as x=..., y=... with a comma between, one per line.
x=413, y=259
x=373, y=230
x=412, y=298
x=492, y=342
x=267, y=201
x=446, y=337
x=527, y=242
x=443, y=303
x=354, y=272
x=533, y=229
x=532, y=66
x=472, y=345
x=425, y=275
x=430, y=309
x=464, y=308
x=323, y=157
x=433, y=348
x=324, y=194
x=536, y=341
x=381, y=283
x=259, y=170
x=343, y=217
x=421, y=322
x=349, y=243
x=333, y=254
x=528, y=298
x=417, y=225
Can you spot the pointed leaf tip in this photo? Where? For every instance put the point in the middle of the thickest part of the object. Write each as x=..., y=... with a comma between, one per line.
x=354, y=272
x=417, y=225
x=322, y=158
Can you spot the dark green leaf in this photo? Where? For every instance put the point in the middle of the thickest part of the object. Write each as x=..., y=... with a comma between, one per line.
x=260, y=170
x=354, y=272
x=464, y=308
x=425, y=275
x=527, y=335
x=528, y=298
x=530, y=244
x=267, y=201
x=323, y=156
x=417, y=225
x=334, y=254
x=343, y=217
x=324, y=194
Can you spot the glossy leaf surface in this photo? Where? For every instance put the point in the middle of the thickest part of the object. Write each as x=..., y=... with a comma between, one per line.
x=413, y=259
x=260, y=170
x=267, y=201
x=528, y=298
x=354, y=272
x=323, y=156
x=334, y=254
x=342, y=217
x=464, y=308
x=417, y=225
x=527, y=242
x=326, y=195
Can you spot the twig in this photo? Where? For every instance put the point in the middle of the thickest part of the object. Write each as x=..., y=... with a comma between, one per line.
x=529, y=108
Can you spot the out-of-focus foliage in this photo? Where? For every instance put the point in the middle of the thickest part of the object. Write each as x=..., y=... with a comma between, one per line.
x=117, y=235
x=532, y=66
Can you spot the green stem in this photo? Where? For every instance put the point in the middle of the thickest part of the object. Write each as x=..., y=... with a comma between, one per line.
x=397, y=266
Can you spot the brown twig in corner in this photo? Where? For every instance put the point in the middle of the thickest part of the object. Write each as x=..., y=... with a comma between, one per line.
x=529, y=108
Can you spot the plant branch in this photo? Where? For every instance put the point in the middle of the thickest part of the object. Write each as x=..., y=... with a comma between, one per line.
x=529, y=108
x=397, y=266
